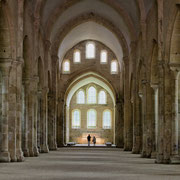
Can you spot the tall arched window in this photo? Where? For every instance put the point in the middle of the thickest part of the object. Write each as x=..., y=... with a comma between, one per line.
x=91, y=119
x=102, y=97
x=76, y=119
x=77, y=56
x=107, y=119
x=91, y=95
x=114, y=67
x=81, y=97
x=66, y=66
x=103, y=57
x=90, y=50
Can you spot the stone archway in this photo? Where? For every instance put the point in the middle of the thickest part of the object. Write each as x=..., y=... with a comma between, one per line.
x=82, y=81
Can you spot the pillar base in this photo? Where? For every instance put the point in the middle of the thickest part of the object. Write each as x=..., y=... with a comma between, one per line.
x=26, y=152
x=135, y=151
x=143, y=154
x=159, y=159
x=5, y=157
x=44, y=149
x=36, y=152
x=153, y=155
x=53, y=147
x=31, y=152
x=13, y=158
x=20, y=156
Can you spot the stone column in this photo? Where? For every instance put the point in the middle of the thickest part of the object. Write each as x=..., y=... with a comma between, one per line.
x=25, y=124
x=39, y=115
x=141, y=119
x=35, y=95
x=175, y=111
x=44, y=125
x=119, y=141
x=137, y=138
x=155, y=121
x=19, y=153
x=149, y=120
x=12, y=111
x=4, y=152
x=144, y=121
x=30, y=123
x=127, y=109
x=51, y=122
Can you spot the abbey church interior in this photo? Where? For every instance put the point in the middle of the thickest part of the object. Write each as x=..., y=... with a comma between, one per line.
x=104, y=68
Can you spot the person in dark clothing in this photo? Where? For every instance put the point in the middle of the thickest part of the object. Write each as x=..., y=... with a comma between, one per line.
x=89, y=139
x=94, y=140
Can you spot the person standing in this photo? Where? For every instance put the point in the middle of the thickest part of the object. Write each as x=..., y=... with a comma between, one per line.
x=94, y=140
x=89, y=139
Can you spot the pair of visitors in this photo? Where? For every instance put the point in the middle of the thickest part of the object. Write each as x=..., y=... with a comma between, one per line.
x=89, y=140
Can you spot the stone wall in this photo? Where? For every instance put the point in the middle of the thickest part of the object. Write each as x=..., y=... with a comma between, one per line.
x=102, y=135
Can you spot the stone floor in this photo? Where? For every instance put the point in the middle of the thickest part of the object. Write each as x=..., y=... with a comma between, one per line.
x=88, y=164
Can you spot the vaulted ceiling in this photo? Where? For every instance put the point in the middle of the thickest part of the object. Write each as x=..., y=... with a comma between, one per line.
x=116, y=23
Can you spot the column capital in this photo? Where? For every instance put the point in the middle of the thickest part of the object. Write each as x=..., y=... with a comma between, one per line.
x=155, y=86
x=140, y=95
x=175, y=68
x=5, y=65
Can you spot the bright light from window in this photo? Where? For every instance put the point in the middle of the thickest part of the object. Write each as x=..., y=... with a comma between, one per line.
x=103, y=56
x=91, y=95
x=102, y=97
x=77, y=56
x=80, y=97
x=107, y=119
x=90, y=51
x=114, y=67
x=91, y=117
x=66, y=66
x=76, y=119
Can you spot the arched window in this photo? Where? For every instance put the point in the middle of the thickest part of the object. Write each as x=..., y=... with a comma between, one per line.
x=91, y=119
x=76, y=118
x=66, y=66
x=103, y=57
x=91, y=95
x=102, y=97
x=114, y=67
x=80, y=97
x=107, y=119
x=77, y=56
x=90, y=50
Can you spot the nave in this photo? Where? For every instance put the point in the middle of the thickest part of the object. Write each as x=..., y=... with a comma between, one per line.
x=87, y=164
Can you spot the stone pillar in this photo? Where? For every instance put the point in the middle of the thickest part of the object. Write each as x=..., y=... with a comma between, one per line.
x=137, y=138
x=61, y=124
x=175, y=111
x=51, y=122
x=119, y=141
x=12, y=111
x=19, y=153
x=127, y=109
x=39, y=115
x=30, y=123
x=25, y=124
x=35, y=95
x=155, y=121
x=44, y=125
x=160, y=135
x=149, y=120
x=4, y=152
x=144, y=121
